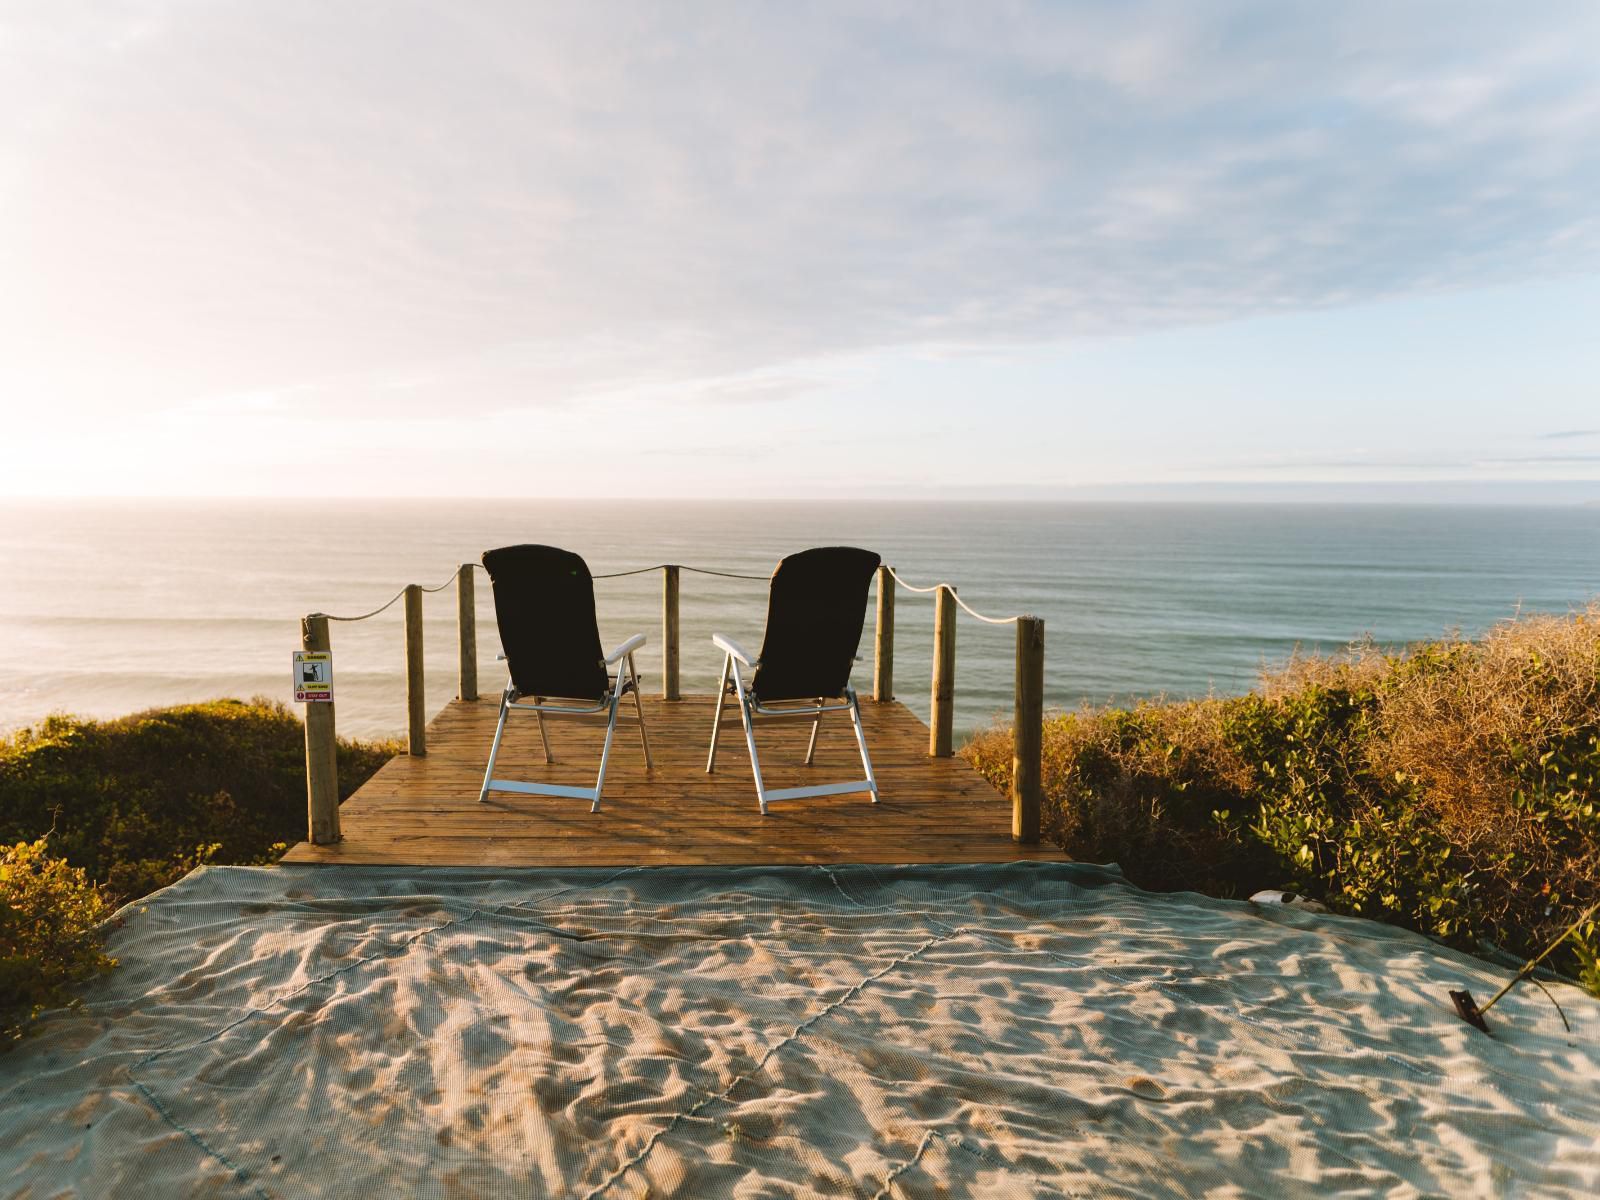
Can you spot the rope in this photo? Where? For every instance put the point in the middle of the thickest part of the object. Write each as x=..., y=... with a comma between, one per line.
x=681, y=567
x=704, y=570
x=911, y=588
x=723, y=574
x=664, y=566
x=956, y=596
x=364, y=616
x=388, y=602
x=974, y=612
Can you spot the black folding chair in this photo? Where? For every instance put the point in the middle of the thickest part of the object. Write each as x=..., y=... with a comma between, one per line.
x=815, y=610
x=544, y=605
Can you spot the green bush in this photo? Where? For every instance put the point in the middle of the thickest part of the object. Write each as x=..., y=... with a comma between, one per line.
x=130, y=806
x=1453, y=788
x=139, y=801
x=49, y=933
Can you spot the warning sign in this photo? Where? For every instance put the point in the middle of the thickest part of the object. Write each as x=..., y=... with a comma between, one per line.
x=313, y=676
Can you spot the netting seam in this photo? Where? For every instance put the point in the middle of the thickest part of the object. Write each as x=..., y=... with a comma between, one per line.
x=901, y=1168
x=957, y=1142
x=1317, y=1041
x=1219, y=1011
x=693, y=1110
x=1222, y=1012
x=241, y=1174
x=392, y=950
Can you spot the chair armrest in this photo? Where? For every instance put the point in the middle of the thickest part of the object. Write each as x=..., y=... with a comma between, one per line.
x=627, y=647
x=728, y=646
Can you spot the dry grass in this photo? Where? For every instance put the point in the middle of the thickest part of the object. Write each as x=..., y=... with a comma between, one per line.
x=1453, y=786
x=1469, y=722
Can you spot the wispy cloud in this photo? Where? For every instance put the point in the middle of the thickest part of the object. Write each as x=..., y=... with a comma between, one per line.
x=463, y=243
x=1542, y=459
x=228, y=199
x=1303, y=465
x=1388, y=464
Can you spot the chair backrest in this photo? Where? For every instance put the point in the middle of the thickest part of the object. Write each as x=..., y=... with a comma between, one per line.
x=815, y=611
x=544, y=605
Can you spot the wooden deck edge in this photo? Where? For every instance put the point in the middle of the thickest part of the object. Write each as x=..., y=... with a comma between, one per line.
x=952, y=815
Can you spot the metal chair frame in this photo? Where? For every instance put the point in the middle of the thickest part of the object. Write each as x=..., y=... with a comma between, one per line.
x=751, y=709
x=624, y=682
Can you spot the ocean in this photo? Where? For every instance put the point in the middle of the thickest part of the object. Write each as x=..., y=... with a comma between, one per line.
x=109, y=607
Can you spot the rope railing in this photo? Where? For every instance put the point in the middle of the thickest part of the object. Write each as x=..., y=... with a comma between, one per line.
x=726, y=574
x=390, y=601
x=682, y=567
x=321, y=767
x=955, y=595
x=1027, y=761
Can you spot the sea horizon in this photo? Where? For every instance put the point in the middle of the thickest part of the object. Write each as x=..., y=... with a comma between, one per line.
x=112, y=606
x=1447, y=493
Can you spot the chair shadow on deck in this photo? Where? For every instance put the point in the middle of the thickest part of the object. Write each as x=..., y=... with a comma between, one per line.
x=424, y=811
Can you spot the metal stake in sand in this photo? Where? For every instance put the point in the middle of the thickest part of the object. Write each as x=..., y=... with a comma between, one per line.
x=1468, y=1010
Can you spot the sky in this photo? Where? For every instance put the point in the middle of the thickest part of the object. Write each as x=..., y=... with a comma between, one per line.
x=823, y=250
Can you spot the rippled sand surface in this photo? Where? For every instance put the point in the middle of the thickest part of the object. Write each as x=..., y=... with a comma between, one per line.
x=1015, y=1031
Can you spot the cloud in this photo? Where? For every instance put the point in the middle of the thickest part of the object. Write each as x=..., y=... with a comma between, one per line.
x=1386, y=464
x=1553, y=459
x=1365, y=462
x=473, y=208
x=1563, y=435
x=769, y=389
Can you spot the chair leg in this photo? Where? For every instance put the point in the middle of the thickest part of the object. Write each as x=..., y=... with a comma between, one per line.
x=750, y=740
x=716, y=721
x=544, y=737
x=811, y=746
x=494, y=749
x=861, y=741
x=605, y=754
x=638, y=710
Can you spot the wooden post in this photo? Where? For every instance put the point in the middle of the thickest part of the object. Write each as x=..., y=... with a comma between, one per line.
x=669, y=633
x=944, y=672
x=416, y=702
x=1027, y=734
x=467, y=627
x=883, y=652
x=322, y=762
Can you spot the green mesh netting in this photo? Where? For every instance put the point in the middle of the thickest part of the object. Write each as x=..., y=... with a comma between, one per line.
x=1022, y=1030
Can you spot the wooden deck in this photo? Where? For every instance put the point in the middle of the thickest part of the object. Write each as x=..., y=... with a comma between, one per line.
x=425, y=811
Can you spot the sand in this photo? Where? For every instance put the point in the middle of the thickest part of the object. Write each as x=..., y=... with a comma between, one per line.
x=1029, y=1030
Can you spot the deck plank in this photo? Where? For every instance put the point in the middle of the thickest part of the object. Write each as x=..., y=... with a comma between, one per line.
x=425, y=811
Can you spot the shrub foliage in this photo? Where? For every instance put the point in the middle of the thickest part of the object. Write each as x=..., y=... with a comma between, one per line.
x=1453, y=788
x=129, y=806
x=141, y=800
x=49, y=936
